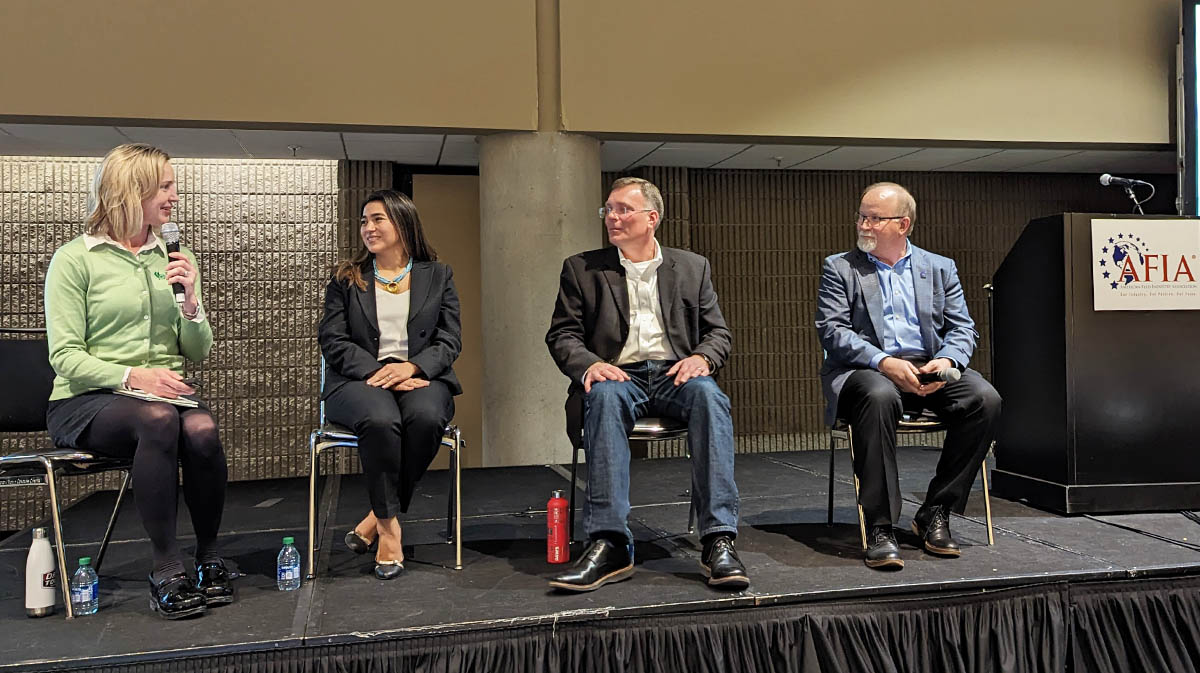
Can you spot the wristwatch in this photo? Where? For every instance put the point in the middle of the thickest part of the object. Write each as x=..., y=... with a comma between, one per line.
x=708, y=361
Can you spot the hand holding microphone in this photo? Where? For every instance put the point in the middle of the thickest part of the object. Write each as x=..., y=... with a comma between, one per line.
x=947, y=375
x=180, y=272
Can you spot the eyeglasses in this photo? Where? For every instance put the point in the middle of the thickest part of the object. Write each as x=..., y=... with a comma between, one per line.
x=620, y=211
x=875, y=220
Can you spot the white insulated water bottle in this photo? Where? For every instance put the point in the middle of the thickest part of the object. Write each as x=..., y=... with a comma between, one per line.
x=41, y=580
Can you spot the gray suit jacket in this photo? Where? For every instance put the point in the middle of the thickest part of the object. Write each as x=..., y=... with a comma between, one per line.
x=591, y=316
x=850, y=315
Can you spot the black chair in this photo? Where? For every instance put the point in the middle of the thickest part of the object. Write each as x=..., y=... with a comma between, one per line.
x=910, y=424
x=646, y=429
x=333, y=436
x=25, y=361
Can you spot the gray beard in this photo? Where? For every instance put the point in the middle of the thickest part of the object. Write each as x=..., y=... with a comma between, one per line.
x=867, y=245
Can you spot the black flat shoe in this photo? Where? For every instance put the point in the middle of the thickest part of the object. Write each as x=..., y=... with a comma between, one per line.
x=176, y=597
x=358, y=544
x=215, y=582
x=603, y=562
x=388, y=570
x=933, y=527
x=722, y=566
x=883, y=552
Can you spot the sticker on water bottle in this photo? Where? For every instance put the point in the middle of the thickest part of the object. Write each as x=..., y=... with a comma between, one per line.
x=82, y=594
x=288, y=574
x=50, y=579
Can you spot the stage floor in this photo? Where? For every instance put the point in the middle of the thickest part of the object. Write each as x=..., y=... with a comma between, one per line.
x=791, y=555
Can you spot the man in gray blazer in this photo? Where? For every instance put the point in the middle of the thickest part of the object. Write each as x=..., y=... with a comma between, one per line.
x=889, y=312
x=638, y=332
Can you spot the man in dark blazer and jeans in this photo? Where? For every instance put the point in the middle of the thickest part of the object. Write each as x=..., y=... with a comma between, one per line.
x=638, y=331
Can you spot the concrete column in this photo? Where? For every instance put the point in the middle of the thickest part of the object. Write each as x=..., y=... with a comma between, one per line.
x=538, y=194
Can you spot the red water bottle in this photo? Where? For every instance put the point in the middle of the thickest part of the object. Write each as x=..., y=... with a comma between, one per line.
x=557, y=550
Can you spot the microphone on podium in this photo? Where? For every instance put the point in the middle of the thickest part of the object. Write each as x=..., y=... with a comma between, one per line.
x=949, y=375
x=1111, y=180
x=170, y=234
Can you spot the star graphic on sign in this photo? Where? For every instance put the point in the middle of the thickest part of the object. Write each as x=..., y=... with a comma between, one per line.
x=1104, y=249
x=1106, y=274
x=1120, y=235
x=1101, y=262
x=1114, y=285
x=1111, y=241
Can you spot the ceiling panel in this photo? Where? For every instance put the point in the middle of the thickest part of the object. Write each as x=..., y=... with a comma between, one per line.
x=691, y=155
x=932, y=158
x=853, y=158
x=277, y=144
x=404, y=148
x=618, y=155
x=460, y=151
x=1107, y=161
x=775, y=156
x=1006, y=160
x=67, y=141
x=198, y=143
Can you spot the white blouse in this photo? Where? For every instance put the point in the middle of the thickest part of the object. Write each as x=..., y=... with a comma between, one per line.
x=392, y=312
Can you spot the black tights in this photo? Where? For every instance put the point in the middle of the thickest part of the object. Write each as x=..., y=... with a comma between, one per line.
x=162, y=437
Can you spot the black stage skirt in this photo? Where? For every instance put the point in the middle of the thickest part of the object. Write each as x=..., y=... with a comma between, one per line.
x=69, y=418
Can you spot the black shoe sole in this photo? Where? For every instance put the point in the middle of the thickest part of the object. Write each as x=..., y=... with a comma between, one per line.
x=358, y=545
x=731, y=582
x=182, y=614
x=937, y=551
x=896, y=563
x=220, y=600
x=614, y=576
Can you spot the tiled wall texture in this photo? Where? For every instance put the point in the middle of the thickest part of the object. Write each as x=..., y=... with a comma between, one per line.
x=767, y=232
x=266, y=236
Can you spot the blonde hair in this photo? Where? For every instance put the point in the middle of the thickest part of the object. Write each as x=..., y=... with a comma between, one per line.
x=653, y=197
x=128, y=175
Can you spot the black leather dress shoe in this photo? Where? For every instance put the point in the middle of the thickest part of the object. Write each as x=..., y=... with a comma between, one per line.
x=215, y=582
x=882, y=550
x=722, y=565
x=388, y=570
x=358, y=544
x=603, y=562
x=933, y=526
x=176, y=597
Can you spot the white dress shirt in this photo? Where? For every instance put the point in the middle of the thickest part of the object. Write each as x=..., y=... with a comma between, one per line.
x=392, y=312
x=647, y=338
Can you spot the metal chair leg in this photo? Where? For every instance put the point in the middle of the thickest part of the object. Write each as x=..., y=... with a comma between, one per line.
x=313, y=468
x=987, y=500
x=862, y=525
x=829, y=512
x=450, y=496
x=112, y=521
x=457, y=499
x=56, y=518
x=571, y=496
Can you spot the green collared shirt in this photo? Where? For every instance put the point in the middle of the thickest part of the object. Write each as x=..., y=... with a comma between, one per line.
x=108, y=309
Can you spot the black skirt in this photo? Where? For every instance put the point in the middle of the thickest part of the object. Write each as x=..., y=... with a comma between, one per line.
x=69, y=418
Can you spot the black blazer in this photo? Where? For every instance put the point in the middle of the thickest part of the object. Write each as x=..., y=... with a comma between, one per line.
x=349, y=330
x=591, y=316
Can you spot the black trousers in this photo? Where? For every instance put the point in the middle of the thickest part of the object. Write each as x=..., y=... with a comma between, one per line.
x=873, y=405
x=398, y=436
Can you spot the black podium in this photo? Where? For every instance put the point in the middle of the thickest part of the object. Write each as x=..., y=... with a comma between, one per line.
x=1101, y=408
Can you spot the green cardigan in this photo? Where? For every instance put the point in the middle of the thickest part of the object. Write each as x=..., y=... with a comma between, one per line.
x=108, y=309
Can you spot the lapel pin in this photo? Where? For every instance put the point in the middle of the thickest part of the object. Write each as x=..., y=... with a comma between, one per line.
x=922, y=273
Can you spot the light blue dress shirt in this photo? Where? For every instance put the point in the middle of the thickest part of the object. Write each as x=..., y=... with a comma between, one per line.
x=901, y=328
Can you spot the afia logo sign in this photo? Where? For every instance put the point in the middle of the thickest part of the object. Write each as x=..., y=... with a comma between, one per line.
x=1128, y=259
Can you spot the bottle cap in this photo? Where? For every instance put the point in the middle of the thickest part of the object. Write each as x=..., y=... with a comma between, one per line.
x=556, y=494
x=40, y=533
x=289, y=540
x=85, y=561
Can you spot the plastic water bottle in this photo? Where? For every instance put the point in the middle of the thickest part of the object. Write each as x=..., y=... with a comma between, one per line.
x=85, y=588
x=287, y=566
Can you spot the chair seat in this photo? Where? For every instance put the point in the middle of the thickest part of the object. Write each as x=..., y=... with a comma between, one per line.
x=651, y=428
x=335, y=432
x=71, y=460
x=910, y=423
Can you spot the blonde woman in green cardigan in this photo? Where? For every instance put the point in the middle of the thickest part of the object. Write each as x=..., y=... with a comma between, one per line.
x=114, y=325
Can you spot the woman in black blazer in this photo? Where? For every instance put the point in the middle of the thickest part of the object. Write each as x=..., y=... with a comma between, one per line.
x=390, y=335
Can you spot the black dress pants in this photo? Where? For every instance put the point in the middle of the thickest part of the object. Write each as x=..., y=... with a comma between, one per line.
x=873, y=405
x=398, y=436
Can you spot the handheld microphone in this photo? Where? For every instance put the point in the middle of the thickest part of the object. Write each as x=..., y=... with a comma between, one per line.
x=170, y=234
x=949, y=375
x=1112, y=181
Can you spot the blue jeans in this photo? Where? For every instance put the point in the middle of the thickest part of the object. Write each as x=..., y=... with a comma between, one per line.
x=609, y=412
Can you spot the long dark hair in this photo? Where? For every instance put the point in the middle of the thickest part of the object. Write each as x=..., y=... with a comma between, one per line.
x=403, y=214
